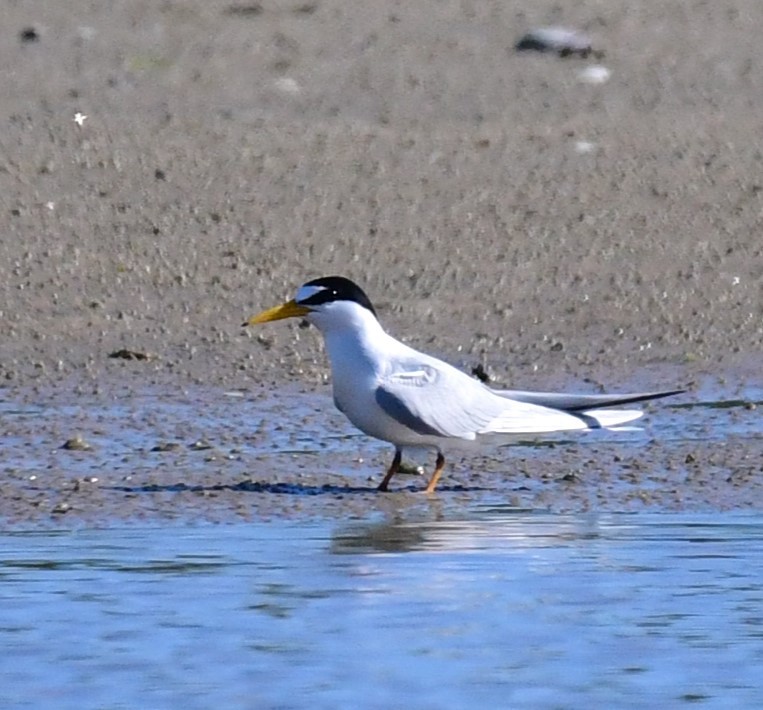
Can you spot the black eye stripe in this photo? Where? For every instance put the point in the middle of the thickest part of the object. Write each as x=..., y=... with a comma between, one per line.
x=336, y=288
x=323, y=296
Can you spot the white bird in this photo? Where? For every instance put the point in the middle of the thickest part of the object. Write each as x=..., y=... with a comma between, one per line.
x=397, y=394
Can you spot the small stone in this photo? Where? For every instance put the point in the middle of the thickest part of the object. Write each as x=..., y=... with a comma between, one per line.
x=29, y=34
x=595, y=74
x=200, y=445
x=166, y=446
x=76, y=443
x=583, y=148
x=125, y=354
x=408, y=469
x=559, y=40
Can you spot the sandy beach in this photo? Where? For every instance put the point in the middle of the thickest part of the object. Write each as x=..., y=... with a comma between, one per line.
x=499, y=207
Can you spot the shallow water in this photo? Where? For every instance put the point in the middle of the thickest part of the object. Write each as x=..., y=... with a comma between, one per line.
x=291, y=425
x=207, y=455
x=503, y=608
x=476, y=596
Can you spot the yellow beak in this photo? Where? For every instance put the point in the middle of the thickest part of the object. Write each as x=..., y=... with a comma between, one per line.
x=290, y=309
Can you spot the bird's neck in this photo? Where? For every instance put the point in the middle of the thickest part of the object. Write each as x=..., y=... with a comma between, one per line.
x=351, y=344
x=361, y=331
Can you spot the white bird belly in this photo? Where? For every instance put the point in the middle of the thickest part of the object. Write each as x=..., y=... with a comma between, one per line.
x=356, y=399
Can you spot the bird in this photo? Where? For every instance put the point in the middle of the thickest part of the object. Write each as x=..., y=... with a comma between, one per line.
x=395, y=393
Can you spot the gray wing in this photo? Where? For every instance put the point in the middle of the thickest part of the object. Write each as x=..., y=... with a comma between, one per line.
x=581, y=402
x=438, y=401
x=435, y=399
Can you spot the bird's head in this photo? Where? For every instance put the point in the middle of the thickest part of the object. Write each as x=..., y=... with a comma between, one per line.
x=329, y=303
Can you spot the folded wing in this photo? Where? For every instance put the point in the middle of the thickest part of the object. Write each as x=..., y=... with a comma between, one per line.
x=581, y=402
x=438, y=401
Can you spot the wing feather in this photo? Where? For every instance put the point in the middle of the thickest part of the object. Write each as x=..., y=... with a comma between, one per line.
x=439, y=400
x=435, y=399
x=581, y=402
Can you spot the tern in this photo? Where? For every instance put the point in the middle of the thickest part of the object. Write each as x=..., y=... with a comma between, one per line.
x=397, y=394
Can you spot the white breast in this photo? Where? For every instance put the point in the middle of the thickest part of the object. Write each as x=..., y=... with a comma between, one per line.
x=357, y=368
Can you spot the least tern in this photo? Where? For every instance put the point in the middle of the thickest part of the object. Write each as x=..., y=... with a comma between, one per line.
x=397, y=394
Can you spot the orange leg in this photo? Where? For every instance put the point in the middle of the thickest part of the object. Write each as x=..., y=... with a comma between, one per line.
x=391, y=471
x=439, y=466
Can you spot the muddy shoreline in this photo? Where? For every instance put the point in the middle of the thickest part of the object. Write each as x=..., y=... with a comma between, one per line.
x=205, y=455
x=498, y=210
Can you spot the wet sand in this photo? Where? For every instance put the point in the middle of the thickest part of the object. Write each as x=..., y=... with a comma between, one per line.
x=498, y=210
x=119, y=454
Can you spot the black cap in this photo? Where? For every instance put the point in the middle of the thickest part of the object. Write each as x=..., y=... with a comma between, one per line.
x=336, y=288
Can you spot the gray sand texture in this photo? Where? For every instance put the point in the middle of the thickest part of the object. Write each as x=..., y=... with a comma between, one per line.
x=556, y=223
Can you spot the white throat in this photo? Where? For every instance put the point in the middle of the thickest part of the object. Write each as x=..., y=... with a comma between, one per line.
x=355, y=340
x=345, y=317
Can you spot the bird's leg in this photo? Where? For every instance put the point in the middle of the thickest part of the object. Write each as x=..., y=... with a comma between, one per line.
x=439, y=466
x=391, y=471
